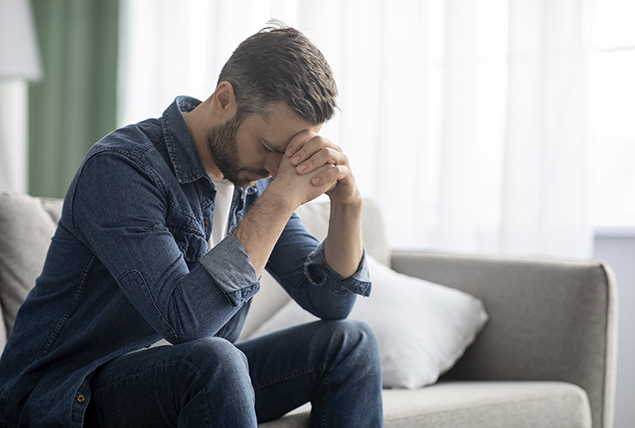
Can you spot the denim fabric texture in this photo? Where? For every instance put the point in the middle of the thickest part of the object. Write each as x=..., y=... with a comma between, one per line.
x=332, y=364
x=129, y=265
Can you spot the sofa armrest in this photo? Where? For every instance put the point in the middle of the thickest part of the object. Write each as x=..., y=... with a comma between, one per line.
x=550, y=319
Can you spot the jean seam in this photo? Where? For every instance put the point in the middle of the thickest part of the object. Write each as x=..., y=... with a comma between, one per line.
x=292, y=374
x=208, y=415
x=144, y=372
x=327, y=392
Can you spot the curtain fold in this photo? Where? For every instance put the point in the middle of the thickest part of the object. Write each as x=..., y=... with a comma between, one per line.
x=75, y=104
x=544, y=186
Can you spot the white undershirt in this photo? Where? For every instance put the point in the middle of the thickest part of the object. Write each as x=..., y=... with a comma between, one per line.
x=222, y=207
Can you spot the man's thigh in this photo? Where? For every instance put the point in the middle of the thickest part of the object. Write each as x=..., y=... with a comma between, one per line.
x=170, y=386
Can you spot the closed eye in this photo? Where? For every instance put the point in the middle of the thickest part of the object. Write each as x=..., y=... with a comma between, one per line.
x=269, y=148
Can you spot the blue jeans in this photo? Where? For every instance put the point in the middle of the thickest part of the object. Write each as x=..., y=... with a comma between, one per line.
x=213, y=383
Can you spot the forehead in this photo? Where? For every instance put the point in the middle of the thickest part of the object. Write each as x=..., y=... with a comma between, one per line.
x=277, y=129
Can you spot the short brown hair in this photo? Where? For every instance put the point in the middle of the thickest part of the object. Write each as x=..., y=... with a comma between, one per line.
x=281, y=64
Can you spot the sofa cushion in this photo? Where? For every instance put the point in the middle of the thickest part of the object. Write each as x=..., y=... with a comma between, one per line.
x=475, y=405
x=26, y=227
x=422, y=328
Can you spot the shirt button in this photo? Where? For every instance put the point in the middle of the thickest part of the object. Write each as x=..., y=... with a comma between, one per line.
x=322, y=266
x=81, y=398
x=190, y=251
x=206, y=224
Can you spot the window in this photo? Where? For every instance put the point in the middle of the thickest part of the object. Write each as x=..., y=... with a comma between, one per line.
x=612, y=112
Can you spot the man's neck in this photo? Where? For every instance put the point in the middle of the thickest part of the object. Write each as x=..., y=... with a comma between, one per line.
x=195, y=122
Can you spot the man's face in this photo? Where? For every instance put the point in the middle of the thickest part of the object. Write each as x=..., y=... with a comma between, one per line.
x=249, y=150
x=222, y=144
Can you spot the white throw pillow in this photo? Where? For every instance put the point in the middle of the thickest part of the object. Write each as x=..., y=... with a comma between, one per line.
x=422, y=328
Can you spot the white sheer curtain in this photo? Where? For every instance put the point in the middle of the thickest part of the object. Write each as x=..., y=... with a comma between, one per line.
x=464, y=119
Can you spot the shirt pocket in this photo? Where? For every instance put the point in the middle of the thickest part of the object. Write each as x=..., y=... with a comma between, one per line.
x=190, y=239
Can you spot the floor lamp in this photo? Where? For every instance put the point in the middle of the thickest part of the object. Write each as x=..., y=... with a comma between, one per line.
x=19, y=63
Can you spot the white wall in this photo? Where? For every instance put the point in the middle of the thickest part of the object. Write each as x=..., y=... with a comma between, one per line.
x=619, y=252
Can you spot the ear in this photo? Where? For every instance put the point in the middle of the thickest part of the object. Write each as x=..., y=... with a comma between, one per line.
x=224, y=100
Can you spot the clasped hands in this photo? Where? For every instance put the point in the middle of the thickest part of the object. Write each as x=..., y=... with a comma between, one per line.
x=313, y=165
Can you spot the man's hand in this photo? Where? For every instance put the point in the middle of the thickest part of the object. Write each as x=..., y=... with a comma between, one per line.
x=310, y=154
x=317, y=157
x=311, y=166
x=299, y=189
x=264, y=222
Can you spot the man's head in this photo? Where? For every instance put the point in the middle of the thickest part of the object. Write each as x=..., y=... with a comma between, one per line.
x=275, y=85
x=281, y=64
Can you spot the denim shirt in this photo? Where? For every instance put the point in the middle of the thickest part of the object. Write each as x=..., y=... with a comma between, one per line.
x=129, y=265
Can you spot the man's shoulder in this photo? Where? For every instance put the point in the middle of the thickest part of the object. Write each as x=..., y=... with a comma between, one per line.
x=138, y=144
x=131, y=139
x=137, y=149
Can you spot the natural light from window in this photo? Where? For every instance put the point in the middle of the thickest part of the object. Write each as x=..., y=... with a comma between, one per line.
x=612, y=112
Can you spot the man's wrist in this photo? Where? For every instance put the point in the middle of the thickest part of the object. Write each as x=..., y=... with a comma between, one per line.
x=282, y=198
x=353, y=203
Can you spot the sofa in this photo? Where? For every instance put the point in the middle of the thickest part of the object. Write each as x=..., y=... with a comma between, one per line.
x=544, y=357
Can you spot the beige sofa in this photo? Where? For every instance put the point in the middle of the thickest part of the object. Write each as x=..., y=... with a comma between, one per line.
x=546, y=357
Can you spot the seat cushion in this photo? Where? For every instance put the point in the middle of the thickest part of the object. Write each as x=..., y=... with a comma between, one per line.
x=476, y=405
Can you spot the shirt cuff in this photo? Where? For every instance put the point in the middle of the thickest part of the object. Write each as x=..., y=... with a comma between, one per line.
x=230, y=267
x=318, y=271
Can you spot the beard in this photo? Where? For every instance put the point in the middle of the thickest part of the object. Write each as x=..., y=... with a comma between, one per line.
x=222, y=144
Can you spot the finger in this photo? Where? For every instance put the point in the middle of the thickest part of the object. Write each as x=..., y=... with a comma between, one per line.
x=311, y=147
x=332, y=174
x=326, y=155
x=299, y=141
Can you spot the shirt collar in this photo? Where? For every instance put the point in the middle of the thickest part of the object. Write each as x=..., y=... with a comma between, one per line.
x=183, y=154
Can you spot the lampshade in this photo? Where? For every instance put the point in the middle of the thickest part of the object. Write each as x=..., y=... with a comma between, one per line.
x=19, y=56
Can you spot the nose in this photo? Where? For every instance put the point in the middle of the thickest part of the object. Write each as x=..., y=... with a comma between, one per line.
x=272, y=163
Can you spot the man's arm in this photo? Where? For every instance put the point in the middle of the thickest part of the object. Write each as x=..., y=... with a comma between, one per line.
x=301, y=268
x=263, y=224
x=343, y=246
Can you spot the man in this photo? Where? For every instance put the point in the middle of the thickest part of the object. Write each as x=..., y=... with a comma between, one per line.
x=165, y=231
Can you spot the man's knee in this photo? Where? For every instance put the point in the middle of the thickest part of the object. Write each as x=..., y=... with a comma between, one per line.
x=352, y=330
x=215, y=354
x=352, y=354
x=214, y=364
x=347, y=339
x=359, y=334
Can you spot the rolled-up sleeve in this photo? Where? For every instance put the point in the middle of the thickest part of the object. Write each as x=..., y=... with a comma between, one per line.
x=230, y=266
x=299, y=264
x=319, y=272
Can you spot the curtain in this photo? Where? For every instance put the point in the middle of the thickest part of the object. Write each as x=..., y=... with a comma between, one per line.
x=464, y=119
x=75, y=104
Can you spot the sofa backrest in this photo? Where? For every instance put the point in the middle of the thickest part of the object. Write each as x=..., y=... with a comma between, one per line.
x=27, y=224
x=26, y=227
x=550, y=319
